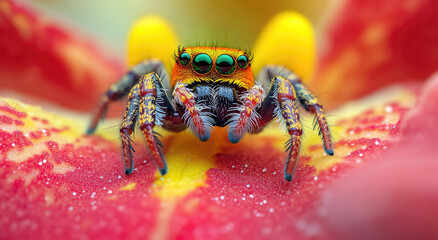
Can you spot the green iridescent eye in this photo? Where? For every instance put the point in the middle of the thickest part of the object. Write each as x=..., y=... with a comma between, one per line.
x=202, y=63
x=225, y=64
x=184, y=59
x=242, y=61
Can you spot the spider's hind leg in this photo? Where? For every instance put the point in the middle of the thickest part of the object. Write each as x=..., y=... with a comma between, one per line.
x=312, y=105
x=127, y=128
x=123, y=87
x=309, y=102
x=285, y=88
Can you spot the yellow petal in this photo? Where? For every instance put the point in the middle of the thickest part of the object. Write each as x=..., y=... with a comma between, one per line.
x=151, y=37
x=287, y=40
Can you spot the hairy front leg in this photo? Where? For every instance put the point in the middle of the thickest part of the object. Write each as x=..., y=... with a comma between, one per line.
x=245, y=117
x=196, y=116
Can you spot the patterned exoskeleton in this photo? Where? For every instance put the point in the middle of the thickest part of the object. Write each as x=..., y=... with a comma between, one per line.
x=211, y=86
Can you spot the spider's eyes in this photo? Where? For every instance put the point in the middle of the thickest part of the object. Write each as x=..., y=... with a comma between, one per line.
x=184, y=59
x=225, y=64
x=242, y=61
x=202, y=63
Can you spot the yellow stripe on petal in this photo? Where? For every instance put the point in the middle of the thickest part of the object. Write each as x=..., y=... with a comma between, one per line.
x=129, y=187
x=188, y=160
x=151, y=37
x=287, y=40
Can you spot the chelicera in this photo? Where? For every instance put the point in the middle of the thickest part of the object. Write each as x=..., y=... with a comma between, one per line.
x=208, y=87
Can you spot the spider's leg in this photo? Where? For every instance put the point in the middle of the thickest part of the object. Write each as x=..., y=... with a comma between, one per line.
x=197, y=115
x=246, y=118
x=287, y=111
x=307, y=100
x=281, y=104
x=151, y=113
x=312, y=105
x=121, y=88
x=285, y=87
x=127, y=128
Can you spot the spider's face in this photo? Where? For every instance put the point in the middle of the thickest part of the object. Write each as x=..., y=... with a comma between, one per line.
x=213, y=65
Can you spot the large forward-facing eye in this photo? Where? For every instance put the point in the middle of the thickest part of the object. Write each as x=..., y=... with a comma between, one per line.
x=202, y=63
x=225, y=64
x=242, y=61
x=184, y=59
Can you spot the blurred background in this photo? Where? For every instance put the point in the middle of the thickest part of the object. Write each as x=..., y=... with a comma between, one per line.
x=66, y=53
x=71, y=47
x=235, y=23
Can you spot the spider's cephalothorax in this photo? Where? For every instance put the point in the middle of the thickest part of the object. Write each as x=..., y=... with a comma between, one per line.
x=211, y=86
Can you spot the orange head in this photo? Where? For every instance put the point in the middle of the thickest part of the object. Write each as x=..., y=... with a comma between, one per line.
x=213, y=65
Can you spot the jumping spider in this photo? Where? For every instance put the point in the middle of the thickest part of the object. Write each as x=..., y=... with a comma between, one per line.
x=211, y=86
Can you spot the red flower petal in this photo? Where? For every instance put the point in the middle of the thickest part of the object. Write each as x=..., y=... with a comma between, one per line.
x=39, y=59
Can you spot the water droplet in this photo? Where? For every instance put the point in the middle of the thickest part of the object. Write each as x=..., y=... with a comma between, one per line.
x=388, y=109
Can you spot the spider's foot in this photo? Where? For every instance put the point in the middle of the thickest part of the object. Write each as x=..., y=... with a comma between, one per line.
x=128, y=170
x=163, y=171
x=128, y=149
x=233, y=138
x=329, y=151
x=287, y=176
x=203, y=137
x=90, y=130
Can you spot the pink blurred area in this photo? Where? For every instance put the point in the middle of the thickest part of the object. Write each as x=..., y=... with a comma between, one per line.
x=373, y=44
x=370, y=44
x=367, y=45
x=41, y=60
x=396, y=196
